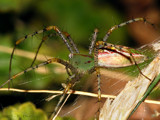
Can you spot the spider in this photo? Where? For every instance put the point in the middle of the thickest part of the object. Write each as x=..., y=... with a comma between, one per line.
x=101, y=55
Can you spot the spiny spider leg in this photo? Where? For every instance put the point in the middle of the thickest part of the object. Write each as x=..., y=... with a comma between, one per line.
x=42, y=41
x=67, y=87
x=123, y=24
x=54, y=115
x=61, y=35
x=94, y=37
x=49, y=61
x=60, y=104
x=72, y=81
x=68, y=66
x=139, y=67
x=74, y=77
x=97, y=69
x=49, y=28
x=71, y=42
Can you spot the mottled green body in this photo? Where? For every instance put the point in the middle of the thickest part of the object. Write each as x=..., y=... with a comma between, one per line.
x=82, y=62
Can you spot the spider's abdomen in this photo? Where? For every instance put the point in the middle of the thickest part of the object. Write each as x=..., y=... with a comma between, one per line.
x=118, y=58
x=82, y=62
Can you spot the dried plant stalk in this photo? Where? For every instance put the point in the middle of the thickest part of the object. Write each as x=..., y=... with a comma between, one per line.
x=133, y=92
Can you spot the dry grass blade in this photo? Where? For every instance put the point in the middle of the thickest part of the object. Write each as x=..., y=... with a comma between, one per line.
x=133, y=92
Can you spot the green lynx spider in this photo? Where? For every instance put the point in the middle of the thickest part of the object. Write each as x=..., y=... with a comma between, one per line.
x=105, y=55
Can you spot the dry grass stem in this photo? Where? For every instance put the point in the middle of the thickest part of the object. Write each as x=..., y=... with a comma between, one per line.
x=69, y=92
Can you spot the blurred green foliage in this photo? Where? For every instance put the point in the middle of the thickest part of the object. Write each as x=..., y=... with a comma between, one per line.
x=25, y=111
x=13, y=5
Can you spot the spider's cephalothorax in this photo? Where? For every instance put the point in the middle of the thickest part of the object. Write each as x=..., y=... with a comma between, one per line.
x=82, y=62
x=105, y=55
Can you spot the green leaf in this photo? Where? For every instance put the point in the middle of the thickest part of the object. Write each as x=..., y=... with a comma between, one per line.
x=26, y=111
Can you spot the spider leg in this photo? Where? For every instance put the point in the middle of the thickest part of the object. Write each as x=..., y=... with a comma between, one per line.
x=49, y=28
x=71, y=42
x=94, y=37
x=61, y=35
x=49, y=61
x=42, y=41
x=99, y=83
x=60, y=104
x=72, y=81
x=55, y=114
x=123, y=24
x=139, y=67
x=18, y=42
x=68, y=72
x=97, y=69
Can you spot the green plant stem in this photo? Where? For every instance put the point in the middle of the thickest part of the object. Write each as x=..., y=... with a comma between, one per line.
x=149, y=90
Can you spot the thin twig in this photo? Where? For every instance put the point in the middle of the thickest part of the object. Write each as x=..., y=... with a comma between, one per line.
x=69, y=92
